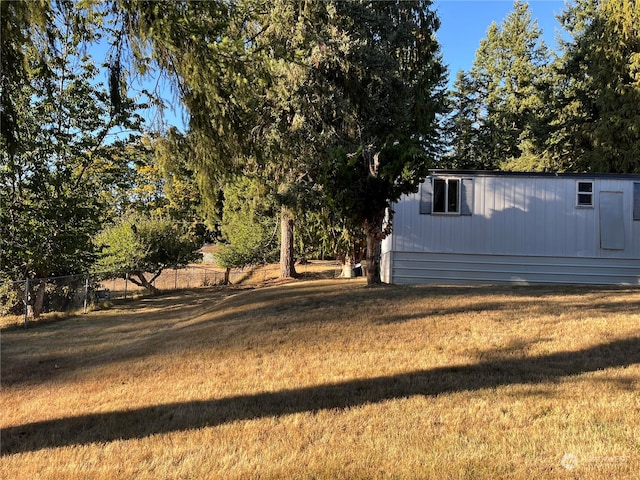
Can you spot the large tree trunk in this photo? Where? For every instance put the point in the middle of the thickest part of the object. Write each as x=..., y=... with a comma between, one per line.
x=374, y=250
x=38, y=304
x=287, y=262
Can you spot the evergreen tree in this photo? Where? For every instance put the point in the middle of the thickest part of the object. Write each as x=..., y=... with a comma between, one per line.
x=468, y=132
x=273, y=86
x=248, y=224
x=236, y=67
x=499, y=110
x=597, y=120
x=381, y=70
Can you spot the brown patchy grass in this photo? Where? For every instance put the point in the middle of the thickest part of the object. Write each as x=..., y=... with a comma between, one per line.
x=330, y=379
x=192, y=277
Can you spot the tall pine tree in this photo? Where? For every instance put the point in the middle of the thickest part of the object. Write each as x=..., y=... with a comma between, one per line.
x=275, y=86
x=499, y=113
x=597, y=95
x=383, y=71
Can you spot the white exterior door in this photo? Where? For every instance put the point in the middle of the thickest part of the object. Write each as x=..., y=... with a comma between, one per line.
x=611, y=221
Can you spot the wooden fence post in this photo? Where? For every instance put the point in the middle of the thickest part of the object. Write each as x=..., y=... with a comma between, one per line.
x=26, y=302
x=86, y=294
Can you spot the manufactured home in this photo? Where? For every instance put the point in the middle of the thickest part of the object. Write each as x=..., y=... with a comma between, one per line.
x=465, y=227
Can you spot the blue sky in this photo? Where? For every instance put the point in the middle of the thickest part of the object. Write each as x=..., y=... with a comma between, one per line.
x=465, y=22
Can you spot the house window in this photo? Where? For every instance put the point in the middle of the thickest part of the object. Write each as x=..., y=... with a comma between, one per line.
x=584, y=194
x=446, y=195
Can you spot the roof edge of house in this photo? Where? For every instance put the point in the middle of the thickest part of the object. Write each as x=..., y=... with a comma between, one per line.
x=501, y=173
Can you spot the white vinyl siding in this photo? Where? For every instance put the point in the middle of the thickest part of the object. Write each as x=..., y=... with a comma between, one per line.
x=517, y=217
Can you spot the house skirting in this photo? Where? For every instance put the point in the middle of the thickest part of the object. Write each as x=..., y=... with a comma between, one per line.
x=448, y=268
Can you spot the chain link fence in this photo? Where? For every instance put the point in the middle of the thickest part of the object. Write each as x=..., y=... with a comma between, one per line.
x=54, y=297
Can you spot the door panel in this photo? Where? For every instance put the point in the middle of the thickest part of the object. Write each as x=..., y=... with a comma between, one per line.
x=611, y=221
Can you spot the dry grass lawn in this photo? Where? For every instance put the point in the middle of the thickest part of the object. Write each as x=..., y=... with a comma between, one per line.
x=329, y=379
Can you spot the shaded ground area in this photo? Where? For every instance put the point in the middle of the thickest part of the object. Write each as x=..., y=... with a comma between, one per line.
x=278, y=378
x=156, y=419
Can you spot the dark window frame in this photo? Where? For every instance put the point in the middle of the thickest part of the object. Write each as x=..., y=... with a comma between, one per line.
x=443, y=203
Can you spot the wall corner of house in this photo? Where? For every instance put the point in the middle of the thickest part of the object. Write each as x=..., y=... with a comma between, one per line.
x=386, y=267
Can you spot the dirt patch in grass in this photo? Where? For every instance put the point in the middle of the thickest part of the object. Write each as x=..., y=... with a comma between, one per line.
x=330, y=379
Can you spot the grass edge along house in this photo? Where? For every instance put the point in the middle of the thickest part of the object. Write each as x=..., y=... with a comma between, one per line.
x=467, y=227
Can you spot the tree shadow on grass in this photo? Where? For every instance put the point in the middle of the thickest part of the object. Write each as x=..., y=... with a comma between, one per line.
x=159, y=419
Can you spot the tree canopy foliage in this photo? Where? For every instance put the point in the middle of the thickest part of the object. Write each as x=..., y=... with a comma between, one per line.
x=499, y=110
x=517, y=108
x=277, y=86
x=324, y=113
x=248, y=225
x=57, y=139
x=140, y=247
x=596, y=126
x=383, y=67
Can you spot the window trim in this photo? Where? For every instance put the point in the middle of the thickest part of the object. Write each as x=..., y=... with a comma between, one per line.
x=446, y=198
x=579, y=192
